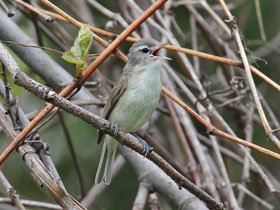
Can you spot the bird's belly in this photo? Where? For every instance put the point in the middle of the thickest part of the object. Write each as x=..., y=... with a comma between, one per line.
x=135, y=107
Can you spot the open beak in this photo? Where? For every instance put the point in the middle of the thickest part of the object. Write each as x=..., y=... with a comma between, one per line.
x=157, y=49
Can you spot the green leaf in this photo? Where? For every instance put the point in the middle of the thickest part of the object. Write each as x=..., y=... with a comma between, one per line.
x=78, y=53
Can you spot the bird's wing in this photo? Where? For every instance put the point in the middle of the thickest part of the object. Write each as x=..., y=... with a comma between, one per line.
x=112, y=101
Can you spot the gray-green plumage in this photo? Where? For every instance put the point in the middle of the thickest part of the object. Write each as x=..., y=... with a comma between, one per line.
x=133, y=100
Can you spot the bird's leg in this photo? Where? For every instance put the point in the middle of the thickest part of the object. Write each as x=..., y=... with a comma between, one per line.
x=147, y=148
x=117, y=129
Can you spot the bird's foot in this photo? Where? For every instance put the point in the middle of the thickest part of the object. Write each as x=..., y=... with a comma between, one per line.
x=147, y=149
x=117, y=129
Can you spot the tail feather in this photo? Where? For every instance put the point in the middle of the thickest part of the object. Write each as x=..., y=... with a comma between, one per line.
x=102, y=163
x=109, y=166
x=104, y=170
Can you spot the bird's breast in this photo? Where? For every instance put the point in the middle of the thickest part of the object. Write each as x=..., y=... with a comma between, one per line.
x=138, y=101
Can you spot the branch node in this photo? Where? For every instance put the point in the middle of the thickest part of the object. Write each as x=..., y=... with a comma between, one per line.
x=28, y=152
x=269, y=135
x=232, y=20
x=212, y=132
x=180, y=184
x=275, y=130
x=51, y=94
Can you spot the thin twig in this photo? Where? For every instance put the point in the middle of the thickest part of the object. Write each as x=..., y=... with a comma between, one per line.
x=154, y=202
x=191, y=133
x=12, y=193
x=194, y=43
x=73, y=154
x=260, y=20
x=141, y=196
x=6, y=9
x=219, y=118
x=43, y=175
x=253, y=196
x=114, y=16
x=252, y=85
x=206, y=6
x=248, y=130
x=36, y=204
x=215, y=131
x=183, y=141
x=7, y=95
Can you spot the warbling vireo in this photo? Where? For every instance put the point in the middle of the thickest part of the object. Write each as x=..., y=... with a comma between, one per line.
x=133, y=100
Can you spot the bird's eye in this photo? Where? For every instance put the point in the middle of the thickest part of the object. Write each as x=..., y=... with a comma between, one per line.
x=145, y=50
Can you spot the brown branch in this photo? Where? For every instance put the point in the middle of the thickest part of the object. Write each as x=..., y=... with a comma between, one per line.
x=212, y=130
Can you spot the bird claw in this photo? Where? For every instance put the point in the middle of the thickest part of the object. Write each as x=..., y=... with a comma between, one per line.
x=146, y=148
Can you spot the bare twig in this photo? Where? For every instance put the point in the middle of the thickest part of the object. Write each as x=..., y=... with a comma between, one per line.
x=11, y=192
x=260, y=20
x=183, y=142
x=253, y=196
x=42, y=174
x=252, y=85
x=6, y=9
x=111, y=15
x=194, y=43
x=154, y=203
x=191, y=133
x=219, y=118
x=35, y=204
x=73, y=154
x=142, y=194
x=214, y=131
x=206, y=6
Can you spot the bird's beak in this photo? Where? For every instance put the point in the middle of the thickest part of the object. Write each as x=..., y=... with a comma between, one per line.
x=157, y=49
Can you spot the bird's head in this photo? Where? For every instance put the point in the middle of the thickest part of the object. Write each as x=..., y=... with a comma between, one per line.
x=145, y=51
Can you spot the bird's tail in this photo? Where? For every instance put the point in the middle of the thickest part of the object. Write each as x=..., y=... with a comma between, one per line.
x=104, y=171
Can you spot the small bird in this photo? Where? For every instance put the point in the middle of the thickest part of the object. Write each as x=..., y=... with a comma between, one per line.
x=133, y=99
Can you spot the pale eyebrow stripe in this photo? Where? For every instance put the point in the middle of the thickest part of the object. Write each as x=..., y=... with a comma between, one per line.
x=142, y=47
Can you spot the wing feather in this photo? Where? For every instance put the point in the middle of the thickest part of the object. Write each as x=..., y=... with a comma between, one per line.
x=112, y=101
